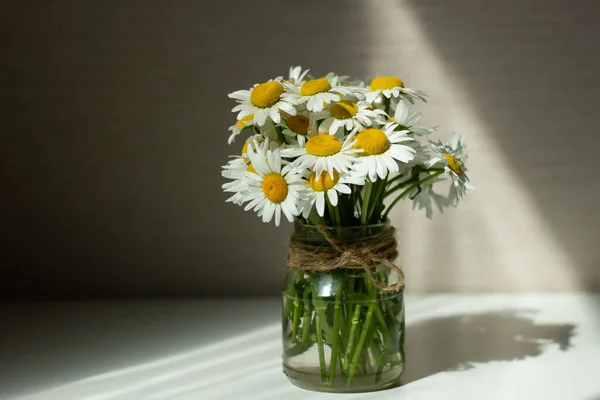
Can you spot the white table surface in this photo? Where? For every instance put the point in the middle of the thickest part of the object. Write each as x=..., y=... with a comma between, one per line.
x=544, y=346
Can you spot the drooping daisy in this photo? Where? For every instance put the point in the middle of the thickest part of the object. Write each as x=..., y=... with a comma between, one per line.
x=316, y=93
x=323, y=153
x=327, y=185
x=272, y=190
x=256, y=140
x=350, y=115
x=298, y=126
x=263, y=100
x=406, y=120
x=239, y=126
x=381, y=151
x=391, y=87
x=297, y=76
x=426, y=198
x=452, y=156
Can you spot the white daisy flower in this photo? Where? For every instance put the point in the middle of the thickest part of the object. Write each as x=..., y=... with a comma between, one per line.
x=353, y=116
x=319, y=189
x=452, y=156
x=263, y=100
x=317, y=93
x=297, y=76
x=426, y=198
x=235, y=170
x=391, y=87
x=421, y=157
x=272, y=190
x=257, y=140
x=323, y=153
x=406, y=120
x=239, y=126
x=381, y=151
x=298, y=126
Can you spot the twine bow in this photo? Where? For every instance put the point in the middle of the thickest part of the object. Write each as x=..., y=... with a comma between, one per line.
x=363, y=255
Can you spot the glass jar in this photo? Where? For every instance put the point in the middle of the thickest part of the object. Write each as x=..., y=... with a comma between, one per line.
x=341, y=333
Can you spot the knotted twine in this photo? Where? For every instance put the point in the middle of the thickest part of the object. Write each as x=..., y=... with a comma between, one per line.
x=366, y=255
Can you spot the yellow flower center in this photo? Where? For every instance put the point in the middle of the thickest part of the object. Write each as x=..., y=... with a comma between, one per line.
x=453, y=164
x=373, y=142
x=344, y=109
x=298, y=124
x=245, y=147
x=250, y=168
x=244, y=122
x=275, y=187
x=323, y=145
x=266, y=94
x=315, y=86
x=325, y=181
x=386, y=82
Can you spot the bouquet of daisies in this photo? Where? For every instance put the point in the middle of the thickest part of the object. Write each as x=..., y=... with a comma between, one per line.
x=338, y=153
x=333, y=151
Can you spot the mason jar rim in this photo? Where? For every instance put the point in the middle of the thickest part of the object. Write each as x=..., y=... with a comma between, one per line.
x=385, y=224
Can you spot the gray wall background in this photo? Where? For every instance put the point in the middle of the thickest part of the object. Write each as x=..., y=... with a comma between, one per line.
x=115, y=117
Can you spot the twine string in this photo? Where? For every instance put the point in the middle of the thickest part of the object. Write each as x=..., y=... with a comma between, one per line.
x=366, y=255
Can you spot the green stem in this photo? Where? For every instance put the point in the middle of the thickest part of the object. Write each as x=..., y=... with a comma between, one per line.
x=365, y=205
x=408, y=181
x=335, y=339
x=321, y=348
x=408, y=190
x=379, y=359
x=306, y=318
x=353, y=328
x=399, y=186
x=385, y=332
x=287, y=313
x=357, y=201
x=361, y=342
x=296, y=319
x=394, y=179
x=377, y=199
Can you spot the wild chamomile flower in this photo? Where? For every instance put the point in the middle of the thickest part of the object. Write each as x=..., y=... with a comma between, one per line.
x=323, y=152
x=236, y=169
x=298, y=126
x=239, y=126
x=426, y=198
x=272, y=190
x=391, y=87
x=452, y=156
x=350, y=115
x=263, y=100
x=327, y=186
x=297, y=76
x=256, y=140
x=316, y=93
x=406, y=120
x=381, y=151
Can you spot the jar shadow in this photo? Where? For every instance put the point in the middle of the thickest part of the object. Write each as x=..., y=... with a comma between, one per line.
x=456, y=343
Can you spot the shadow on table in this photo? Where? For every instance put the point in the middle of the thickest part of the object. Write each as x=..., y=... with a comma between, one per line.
x=456, y=343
